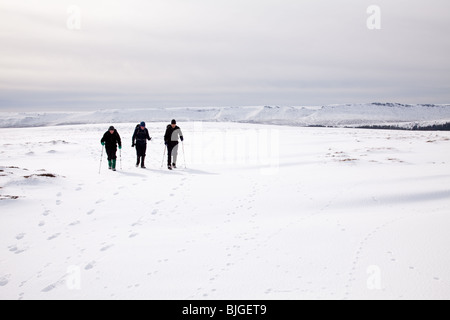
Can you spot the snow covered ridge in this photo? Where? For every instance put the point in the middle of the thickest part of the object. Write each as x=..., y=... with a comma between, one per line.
x=349, y=115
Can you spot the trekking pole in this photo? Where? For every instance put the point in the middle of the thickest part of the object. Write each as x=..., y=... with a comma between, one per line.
x=101, y=161
x=184, y=155
x=120, y=153
x=164, y=156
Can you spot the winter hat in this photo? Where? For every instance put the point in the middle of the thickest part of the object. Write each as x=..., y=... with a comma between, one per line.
x=143, y=124
x=174, y=121
x=112, y=128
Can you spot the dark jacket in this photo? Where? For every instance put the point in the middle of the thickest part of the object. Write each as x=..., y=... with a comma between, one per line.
x=141, y=136
x=111, y=140
x=172, y=134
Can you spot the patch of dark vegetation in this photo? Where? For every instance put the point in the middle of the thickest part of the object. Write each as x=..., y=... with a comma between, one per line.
x=47, y=175
x=60, y=141
x=434, y=127
x=392, y=105
x=2, y=197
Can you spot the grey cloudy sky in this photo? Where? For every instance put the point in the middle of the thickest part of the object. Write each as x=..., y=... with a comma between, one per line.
x=157, y=53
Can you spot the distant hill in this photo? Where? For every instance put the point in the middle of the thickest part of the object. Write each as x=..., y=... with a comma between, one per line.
x=373, y=115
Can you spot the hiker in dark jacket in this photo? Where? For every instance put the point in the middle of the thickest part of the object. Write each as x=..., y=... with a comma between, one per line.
x=173, y=132
x=140, y=138
x=110, y=140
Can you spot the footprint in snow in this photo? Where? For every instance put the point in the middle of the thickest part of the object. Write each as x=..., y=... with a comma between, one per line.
x=100, y=201
x=137, y=223
x=20, y=236
x=90, y=212
x=74, y=223
x=155, y=212
x=41, y=224
x=53, y=286
x=46, y=213
x=4, y=280
x=107, y=247
x=59, y=194
x=58, y=202
x=56, y=235
x=134, y=235
x=164, y=260
x=90, y=265
x=16, y=250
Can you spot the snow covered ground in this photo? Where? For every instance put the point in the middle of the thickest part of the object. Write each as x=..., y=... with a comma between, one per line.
x=260, y=212
x=351, y=115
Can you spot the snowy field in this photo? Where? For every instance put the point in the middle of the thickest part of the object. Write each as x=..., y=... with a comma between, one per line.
x=260, y=212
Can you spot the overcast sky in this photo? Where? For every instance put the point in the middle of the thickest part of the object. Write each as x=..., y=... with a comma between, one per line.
x=162, y=53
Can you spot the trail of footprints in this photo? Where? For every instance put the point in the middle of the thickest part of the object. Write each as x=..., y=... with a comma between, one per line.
x=234, y=253
x=132, y=233
x=46, y=215
x=389, y=254
x=246, y=205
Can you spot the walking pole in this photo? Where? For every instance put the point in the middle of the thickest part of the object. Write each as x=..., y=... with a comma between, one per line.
x=184, y=155
x=121, y=168
x=164, y=156
x=101, y=161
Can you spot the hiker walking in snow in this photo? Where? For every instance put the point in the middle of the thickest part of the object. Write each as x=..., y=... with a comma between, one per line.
x=110, y=140
x=140, y=138
x=173, y=132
